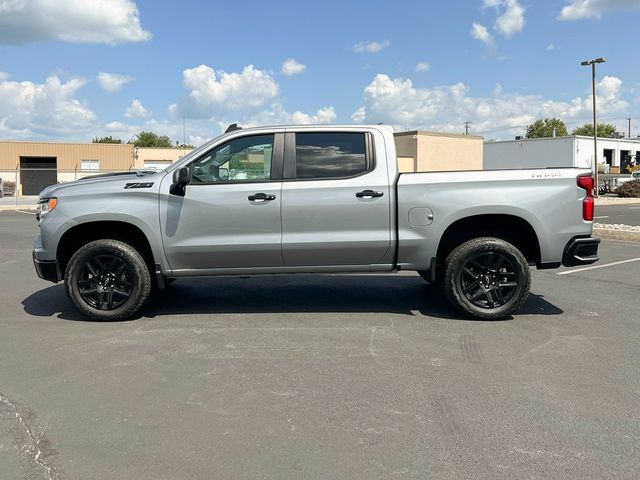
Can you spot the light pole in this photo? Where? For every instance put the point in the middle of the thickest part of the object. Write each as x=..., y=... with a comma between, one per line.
x=595, y=125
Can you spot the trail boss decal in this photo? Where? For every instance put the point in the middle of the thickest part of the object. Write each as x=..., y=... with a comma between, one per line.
x=139, y=185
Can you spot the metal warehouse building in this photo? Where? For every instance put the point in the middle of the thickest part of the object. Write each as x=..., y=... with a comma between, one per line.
x=35, y=165
x=573, y=151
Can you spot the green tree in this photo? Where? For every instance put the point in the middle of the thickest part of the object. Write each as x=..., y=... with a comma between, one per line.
x=544, y=128
x=151, y=139
x=605, y=130
x=108, y=139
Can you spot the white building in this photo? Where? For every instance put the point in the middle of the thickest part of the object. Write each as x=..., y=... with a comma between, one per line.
x=573, y=151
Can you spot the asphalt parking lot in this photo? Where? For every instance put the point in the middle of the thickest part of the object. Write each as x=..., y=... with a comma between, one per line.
x=626, y=214
x=321, y=377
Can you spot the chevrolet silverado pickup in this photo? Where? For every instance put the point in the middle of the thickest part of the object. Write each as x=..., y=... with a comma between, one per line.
x=311, y=199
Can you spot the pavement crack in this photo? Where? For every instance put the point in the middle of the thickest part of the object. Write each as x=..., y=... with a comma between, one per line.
x=33, y=446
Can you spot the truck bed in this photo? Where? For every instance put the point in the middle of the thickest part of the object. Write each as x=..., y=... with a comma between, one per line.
x=548, y=199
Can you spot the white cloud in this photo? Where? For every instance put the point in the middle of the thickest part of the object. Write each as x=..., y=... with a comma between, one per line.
x=579, y=9
x=551, y=46
x=136, y=110
x=48, y=109
x=214, y=93
x=479, y=32
x=370, y=47
x=422, y=67
x=323, y=115
x=111, y=22
x=291, y=67
x=446, y=108
x=249, y=98
x=4, y=76
x=115, y=127
x=113, y=82
x=359, y=115
x=511, y=20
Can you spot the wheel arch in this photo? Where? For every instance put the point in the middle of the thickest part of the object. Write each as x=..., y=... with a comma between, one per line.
x=83, y=233
x=511, y=228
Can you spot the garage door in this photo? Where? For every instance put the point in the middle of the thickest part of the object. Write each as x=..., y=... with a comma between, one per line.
x=37, y=173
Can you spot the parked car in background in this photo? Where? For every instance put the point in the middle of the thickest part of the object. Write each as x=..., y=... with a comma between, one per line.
x=311, y=199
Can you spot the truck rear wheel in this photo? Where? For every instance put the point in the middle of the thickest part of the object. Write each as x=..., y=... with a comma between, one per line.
x=108, y=280
x=487, y=278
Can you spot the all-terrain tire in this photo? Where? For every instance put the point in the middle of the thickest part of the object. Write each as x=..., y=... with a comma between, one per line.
x=130, y=274
x=465, y=277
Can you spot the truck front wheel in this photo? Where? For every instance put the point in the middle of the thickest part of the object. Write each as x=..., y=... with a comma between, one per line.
x=487, y=278
x=108, y=280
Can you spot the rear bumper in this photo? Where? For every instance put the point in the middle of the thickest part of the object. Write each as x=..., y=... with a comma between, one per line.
x=581, y=251
x=47, y=269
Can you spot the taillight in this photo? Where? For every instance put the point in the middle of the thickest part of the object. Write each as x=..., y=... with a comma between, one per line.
x=586, y=182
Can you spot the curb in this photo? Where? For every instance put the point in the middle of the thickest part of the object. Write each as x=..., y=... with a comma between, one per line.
x=616, y=234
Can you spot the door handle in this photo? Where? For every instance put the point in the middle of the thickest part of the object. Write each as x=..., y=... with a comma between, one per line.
x=262, y=197
x=369, y=194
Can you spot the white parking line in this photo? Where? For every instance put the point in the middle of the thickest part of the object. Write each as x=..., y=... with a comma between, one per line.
x=566, y=272
x=602, y=216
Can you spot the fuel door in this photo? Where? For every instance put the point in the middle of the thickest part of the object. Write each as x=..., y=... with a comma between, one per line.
x=420, y=216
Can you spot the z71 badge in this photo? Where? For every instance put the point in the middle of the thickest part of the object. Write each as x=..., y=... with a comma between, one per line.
x=138, y=185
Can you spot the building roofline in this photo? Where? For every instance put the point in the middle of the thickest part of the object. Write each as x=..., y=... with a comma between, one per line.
x=437, y=134
x=40, y=142
x=565, y=137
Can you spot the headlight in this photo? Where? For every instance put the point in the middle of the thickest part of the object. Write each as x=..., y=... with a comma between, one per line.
x=45, y=205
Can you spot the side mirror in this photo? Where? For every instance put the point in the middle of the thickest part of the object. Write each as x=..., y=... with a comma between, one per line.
x=181, y=178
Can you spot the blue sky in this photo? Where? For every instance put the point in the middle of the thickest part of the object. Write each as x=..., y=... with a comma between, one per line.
x=433, y=65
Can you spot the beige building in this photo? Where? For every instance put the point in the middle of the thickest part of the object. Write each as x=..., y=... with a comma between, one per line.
x=35, y=165
x=157, y=158
x=420, y=151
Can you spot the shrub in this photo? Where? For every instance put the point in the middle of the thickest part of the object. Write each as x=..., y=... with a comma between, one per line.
x=629, y=189
x=9, y=188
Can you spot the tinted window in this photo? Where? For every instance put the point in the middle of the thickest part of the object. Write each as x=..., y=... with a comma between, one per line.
x=326, y=155
x=243, y=159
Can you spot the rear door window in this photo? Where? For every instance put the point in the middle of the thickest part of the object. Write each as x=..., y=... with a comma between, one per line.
x=330, y=155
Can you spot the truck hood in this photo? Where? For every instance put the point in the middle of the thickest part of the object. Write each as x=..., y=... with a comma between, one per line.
x=118, y=179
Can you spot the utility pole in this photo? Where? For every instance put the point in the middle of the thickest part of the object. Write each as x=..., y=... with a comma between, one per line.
x=595, y=125
x=629, y=136
x=466, y=127
x=184, y=132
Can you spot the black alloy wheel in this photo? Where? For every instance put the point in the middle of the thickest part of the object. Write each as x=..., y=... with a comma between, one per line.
x=105, y=282
x=489, y=280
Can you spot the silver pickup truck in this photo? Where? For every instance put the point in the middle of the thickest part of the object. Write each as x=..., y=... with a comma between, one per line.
x=300, y=199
